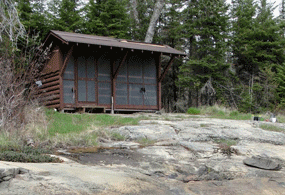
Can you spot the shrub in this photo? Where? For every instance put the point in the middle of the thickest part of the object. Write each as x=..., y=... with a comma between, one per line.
x=27, y=154
x=193, y=110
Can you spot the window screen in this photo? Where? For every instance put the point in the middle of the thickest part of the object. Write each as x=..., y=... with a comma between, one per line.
x=68, y=95
x=69, y=70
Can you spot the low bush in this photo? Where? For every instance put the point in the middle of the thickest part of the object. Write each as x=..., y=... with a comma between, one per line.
x=27, y=154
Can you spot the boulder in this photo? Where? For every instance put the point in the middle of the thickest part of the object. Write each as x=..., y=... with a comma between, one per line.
x=262, y=162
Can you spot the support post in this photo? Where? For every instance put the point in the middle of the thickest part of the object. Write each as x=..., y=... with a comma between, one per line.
x=158, y=66
x=113, y=85
x=65, y=61
x=167, y=68
x=115, y=73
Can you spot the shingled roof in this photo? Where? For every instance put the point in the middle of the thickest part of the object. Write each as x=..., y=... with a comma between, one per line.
x=68, y=37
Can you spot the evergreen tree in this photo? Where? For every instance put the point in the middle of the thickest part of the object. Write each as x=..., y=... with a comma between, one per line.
x=25, y=11
x=257, y=46
x=64, y=15
x=206, y=29
x=107, y=18
x=280, y=78
x=169, y=33
x=32, y=16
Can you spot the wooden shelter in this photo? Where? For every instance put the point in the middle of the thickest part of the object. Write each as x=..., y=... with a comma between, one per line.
x=94, y=72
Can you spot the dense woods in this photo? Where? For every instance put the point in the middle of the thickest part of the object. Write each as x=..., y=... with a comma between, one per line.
x=235, y=52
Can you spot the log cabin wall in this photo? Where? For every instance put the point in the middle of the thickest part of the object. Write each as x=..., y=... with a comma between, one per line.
x=50, y=89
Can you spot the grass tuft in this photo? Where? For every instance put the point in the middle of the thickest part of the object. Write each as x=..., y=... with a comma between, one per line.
x=224, y=113
x=225, y=146
x=146, y=141
x=194, y=111
x=269, y=127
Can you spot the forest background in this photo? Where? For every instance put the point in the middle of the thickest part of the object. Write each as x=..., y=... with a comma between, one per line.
x=235, y=52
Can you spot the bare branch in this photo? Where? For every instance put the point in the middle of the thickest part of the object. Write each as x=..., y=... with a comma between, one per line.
x=10, y=24
x=18, y=73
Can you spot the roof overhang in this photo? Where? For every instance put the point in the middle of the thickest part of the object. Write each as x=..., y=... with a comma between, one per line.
x=67, y=38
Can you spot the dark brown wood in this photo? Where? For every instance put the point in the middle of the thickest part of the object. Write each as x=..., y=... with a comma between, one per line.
x=50, y=84
x=166, y=68
x=52, y=64
x=96, y=85
x=76, y=81
x=50, y=93
x=141, y=107
x=159, y=82
x=53, y=102
x=113, y=84
x=50, y=98
x=51, y=89
x=61, y=93
x=49, y=75
x=66, y=60
x=54, y=106
x=58, y=37
x=54, y=78
x=120, y=65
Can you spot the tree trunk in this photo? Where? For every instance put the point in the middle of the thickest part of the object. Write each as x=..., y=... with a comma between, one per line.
x=134, y=5
x=156, y=13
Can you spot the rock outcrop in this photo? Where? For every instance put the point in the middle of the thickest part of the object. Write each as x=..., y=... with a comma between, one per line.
x=181, y=155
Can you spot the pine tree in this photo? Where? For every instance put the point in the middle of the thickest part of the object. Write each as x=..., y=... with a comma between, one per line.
x=65, y=15
x=205, y=26
x=32, y=16
x=107, y=18
x=257, y=46
x=25, y=12
x=169, y=33
x=280, y=78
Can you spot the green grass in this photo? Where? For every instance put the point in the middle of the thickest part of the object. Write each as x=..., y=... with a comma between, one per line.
x=269, y=127
x=63, y=123
x=223, y=113
x=225, y=146
x=193, y=111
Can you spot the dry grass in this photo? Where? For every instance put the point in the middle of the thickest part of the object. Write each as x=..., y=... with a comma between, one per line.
x=39, y=120
x=270, y=127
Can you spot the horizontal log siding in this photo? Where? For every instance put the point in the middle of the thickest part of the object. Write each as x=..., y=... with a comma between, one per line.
x=50, y=90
